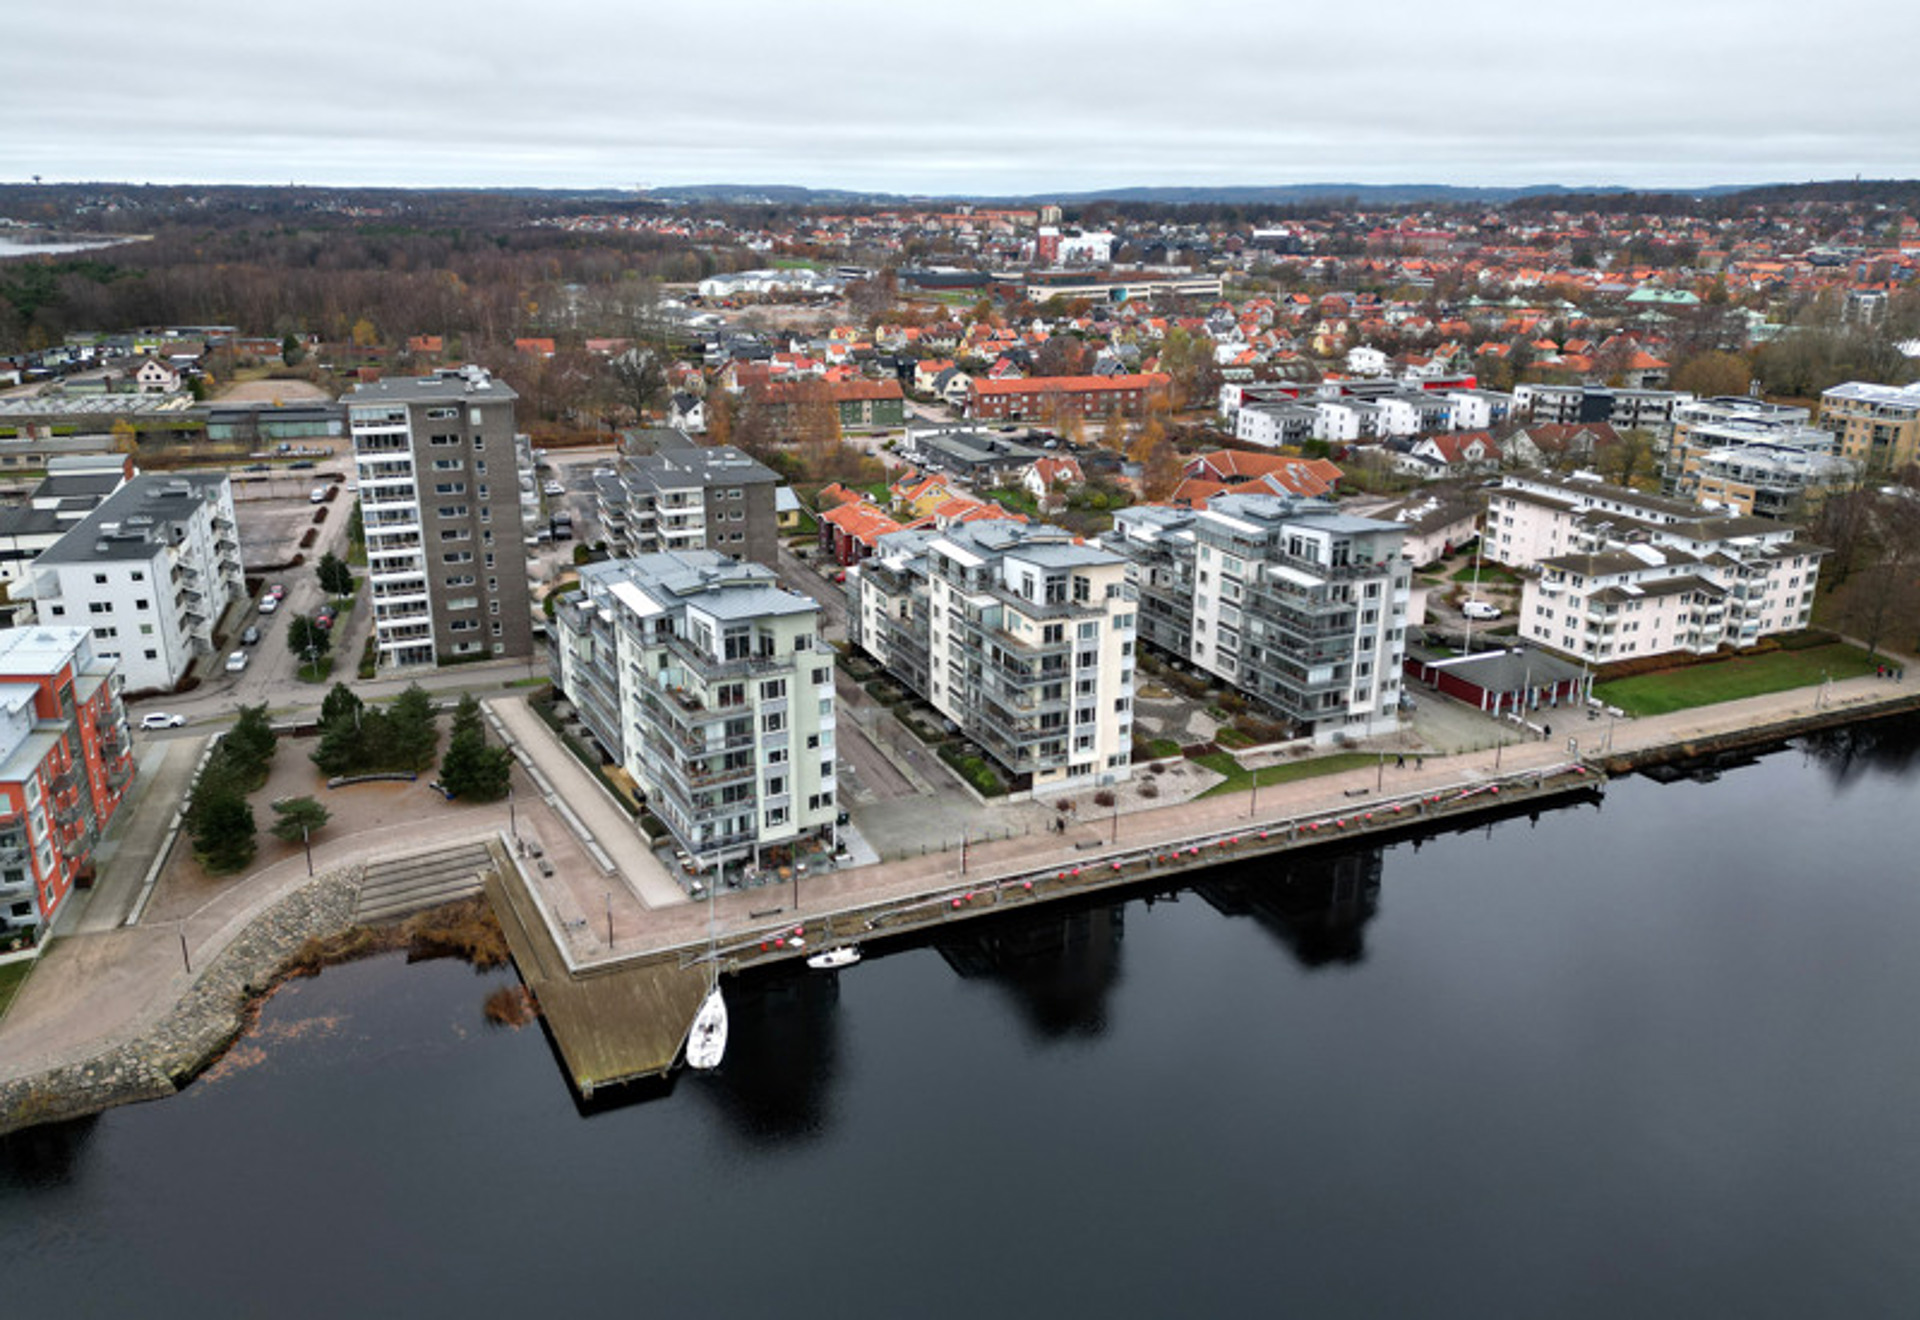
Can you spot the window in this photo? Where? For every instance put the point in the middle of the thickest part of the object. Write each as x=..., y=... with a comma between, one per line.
x=99, y=579
x=99, y=607
x=459, y=557
x=773, y=689
x=143, y=604
x=773, y=722
x=138, y=575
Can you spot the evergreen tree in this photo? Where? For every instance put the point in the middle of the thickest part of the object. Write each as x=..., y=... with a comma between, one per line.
x=471, y=769
x=298, y=818
x=336, y=579
x=411, y=735
x=250, y=745
x=341, y=704
x=223, y=831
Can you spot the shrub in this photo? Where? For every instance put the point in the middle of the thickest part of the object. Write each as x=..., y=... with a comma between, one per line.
x=1104, y=798
x=1150, y=788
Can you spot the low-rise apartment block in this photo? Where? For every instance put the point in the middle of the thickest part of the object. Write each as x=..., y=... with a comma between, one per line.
x=709, y=685
x=66, y=762
x=1747, y=456
x=1619, y=575
x=1021, y=634
x=1878, y=425
x=670, y=492
x=440, y=499
x=149, y=573
x=1296, y=604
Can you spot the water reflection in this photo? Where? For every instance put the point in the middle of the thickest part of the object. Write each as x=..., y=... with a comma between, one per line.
x=783, y=1046
x=1878, y=747
x=45, y=1157
x=1057, y=967
x=1317, y=903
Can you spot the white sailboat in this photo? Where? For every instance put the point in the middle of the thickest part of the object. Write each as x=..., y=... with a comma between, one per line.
x=707, y=1037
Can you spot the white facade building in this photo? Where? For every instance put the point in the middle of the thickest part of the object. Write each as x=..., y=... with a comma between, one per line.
x=1298, y=605
x=1621, y=575
x=708, y=684
x=1019, y=633
x=150, y=572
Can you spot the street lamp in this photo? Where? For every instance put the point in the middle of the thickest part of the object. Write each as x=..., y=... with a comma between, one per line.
x=306, y=840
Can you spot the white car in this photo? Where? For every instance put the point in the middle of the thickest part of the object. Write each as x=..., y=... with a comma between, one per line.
x=159, y=719
x=1480, y=609
x=318, y=495
x=268, y=604
x=236, y=662
x=555, y=488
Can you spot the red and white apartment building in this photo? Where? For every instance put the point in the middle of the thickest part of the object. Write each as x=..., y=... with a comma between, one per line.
x=66, y=763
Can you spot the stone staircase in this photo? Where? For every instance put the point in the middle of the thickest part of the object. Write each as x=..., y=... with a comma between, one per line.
x=396, y=887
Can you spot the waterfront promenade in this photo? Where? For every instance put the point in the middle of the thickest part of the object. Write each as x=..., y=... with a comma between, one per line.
x=101, y=989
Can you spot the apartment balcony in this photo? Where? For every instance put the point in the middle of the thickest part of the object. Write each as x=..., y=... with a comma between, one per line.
x=399, y=639
x=709, y=668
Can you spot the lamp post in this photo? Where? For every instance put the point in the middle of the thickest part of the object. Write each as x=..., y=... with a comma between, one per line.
x=306, y=841
x=513, y=827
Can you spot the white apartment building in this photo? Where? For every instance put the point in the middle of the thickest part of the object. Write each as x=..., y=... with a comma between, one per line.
x=149, y=572
x=1274, y=424
x=440, y=499
x=1298, y=605
x=707, y=683
x=1621, y=575
x=1022, y=634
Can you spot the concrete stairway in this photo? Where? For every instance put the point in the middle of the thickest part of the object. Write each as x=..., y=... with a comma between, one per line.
x=400, y=886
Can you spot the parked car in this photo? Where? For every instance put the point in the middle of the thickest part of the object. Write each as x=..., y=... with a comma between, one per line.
x=268, y=604
x=555, y=488
x=1480, y=609
x=277, y=590
x=159, y=719
x=250, y=635
x=236, y=662
x=318, y=495
x=303, y=463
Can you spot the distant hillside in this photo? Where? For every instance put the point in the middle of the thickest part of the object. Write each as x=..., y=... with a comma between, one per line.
x=1376, y=194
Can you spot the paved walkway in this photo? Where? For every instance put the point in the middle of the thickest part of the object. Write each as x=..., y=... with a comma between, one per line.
x=605, y=820
x=97, y=989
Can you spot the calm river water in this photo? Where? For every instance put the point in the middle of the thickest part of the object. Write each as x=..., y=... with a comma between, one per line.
x=1657, y=1058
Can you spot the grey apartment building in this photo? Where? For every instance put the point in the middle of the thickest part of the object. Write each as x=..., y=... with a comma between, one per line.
x=440, y=498
x=670, y=493
x=1298, y=605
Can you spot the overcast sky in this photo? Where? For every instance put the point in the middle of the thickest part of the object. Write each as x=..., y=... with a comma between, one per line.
x=981, y=96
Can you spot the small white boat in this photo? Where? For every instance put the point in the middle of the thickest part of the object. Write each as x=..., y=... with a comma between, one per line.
x=707, y=1038
x=844, y=956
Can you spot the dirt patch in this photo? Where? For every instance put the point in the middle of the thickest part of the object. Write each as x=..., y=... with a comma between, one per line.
x=270, y=391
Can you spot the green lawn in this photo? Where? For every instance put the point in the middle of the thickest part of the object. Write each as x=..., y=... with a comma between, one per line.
x=1239, y=779
x=1487, y=573
x=1161, y=748
x=1731, y=679
x=11, y=976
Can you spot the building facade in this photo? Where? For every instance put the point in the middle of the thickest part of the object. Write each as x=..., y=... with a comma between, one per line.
x=1297, y=605
x=1619, y=575
x=1878, y=425
x=440, y=499
x=66, y=762
x=1747, y=456
x=1021, y=634
x=710, y=686
x=671, y=493
x=149, y=572
x=1079, y=396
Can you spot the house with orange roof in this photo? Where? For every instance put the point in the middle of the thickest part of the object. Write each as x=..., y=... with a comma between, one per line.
x=850, y=532
x=426, y=345
x=1294, y=476
x=535, y=347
